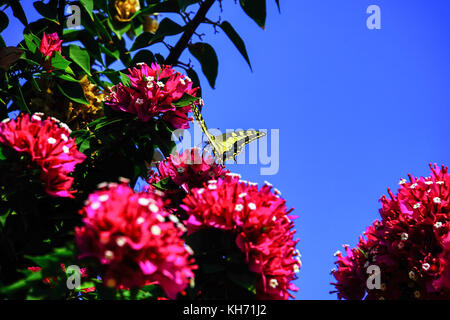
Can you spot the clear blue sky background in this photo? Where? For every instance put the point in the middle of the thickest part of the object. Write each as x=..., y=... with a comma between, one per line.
x=357, y=109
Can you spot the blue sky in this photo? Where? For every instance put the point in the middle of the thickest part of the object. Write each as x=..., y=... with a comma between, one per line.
x=356, y=109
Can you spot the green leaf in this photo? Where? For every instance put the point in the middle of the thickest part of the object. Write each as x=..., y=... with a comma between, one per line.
x=183, y=4
x=185, y=100
x=163, y=184
x=46, y=10
x=67, y=77
x=4, y=21
x=167, y=27
x=32, y=42
x=80, y=57
x=2, y=155
x=113, y=54
x=59, y=62
x=124, y=79
x=255, y=9
x=207, y=57
x=142, y=41
x=21, y=100
x=89, y=6
x=236, y=39
x=195, y=80
x=18, y=11
x=145, y=56
x=73, y=91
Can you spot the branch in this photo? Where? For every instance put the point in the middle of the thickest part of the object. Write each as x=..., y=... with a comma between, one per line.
x=178, y=49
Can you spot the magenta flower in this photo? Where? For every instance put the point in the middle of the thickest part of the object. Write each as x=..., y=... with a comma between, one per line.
x=409, y=245
x=132, y=238
x=260, y=221
x=153, y=93
x=49, y=146
x=49, y=44
x=189, y=170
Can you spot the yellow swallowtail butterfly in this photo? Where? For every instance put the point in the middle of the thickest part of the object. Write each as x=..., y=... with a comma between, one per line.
x=228, y=145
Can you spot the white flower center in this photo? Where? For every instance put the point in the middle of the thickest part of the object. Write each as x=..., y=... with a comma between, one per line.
x=64, y=137
x=109, y=254
x=139, y=101
x=51, y=140
x=438, y=224
x=404, y=236
x=273, y=283
x=121, y=241
x=65, y=149
x=180, y=170
x=426, y=266
x=239, y=207
x=160, y=84
x=95, y=205
x=252, y=206
x=417, y=205
x=140, y=220
x=212, y=187
x=153, y=208
x=143, y=202
x=103, y=198
x=437, y=200
x=156, y=231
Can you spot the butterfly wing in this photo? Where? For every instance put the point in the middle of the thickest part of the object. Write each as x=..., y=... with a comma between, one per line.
x=232, y=143
x=201, y=123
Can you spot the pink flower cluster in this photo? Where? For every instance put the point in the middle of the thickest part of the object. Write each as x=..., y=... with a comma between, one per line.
x=410, y=245
x=152, y=94
x=134, y=240
x=50, y=147
x=263, y=229
x=189, y=170
x=50, y=43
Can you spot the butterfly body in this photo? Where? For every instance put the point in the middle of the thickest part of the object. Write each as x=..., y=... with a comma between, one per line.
x=228, y=145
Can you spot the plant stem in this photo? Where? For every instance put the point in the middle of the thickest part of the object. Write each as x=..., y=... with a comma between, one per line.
x=178, y=49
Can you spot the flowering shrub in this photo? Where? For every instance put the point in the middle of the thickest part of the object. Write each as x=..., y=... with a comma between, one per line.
x=153, y=92
x=49, y=146
x=261, y=225
x=127, y=233
x=66, y=235
x=409, y=244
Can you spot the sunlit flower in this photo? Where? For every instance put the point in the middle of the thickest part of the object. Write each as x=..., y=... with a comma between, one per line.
x=50, y=43
x=268, y=243
x=77, y=115
x=409, y=244
x=189, y=169
x=126, y=9
x=47, y=143
x=128, y=234
x=152, y=94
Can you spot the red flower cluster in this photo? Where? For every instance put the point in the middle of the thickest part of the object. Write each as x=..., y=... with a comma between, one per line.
x=134, y=240
x=50, y=147
x=50, y=43
x=262, y=227
x=410, y=245
x=188, y=170
x=153, y=92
